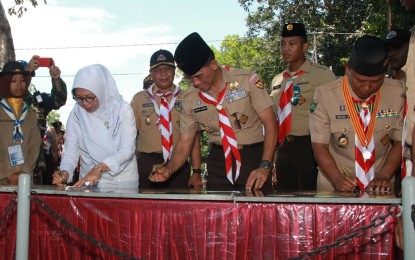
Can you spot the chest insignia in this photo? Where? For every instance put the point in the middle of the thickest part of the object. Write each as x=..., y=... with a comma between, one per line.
x=235, y=95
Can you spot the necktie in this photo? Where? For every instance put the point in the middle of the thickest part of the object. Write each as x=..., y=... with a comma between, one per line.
x=229, y=143
x=284, y=108
x=165, y=125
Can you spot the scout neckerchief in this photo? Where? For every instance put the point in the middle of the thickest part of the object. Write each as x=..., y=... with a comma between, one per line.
x=17, y=129
x=284, y=108
x=165, y=120
x=363, y=125
x=229, y=143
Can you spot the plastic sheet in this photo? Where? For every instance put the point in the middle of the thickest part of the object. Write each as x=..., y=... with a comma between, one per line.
x=198, y=229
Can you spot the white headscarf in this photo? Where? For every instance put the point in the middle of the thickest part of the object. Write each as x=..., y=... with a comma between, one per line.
x=100, y=129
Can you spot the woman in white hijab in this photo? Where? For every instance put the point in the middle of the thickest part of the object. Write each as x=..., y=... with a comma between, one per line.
x=101, y=130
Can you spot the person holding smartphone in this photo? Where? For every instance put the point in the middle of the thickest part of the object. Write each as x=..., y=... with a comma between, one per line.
x=43, y=103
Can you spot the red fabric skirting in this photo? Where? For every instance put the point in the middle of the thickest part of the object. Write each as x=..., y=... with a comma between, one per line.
x=174, y=229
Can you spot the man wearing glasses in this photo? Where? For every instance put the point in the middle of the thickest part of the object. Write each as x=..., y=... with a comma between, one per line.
x=293, y=91
x=157, y=111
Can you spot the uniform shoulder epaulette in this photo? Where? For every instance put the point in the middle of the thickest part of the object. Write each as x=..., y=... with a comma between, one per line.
x=187, y=91
x=319, y=66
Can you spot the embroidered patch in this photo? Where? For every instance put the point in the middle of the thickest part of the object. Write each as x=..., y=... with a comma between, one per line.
x=385, y=140
x=257, y=81
x=313, y=106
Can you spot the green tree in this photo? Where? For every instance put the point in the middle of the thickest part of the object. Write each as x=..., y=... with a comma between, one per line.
x=333, y=26
x=53, y=116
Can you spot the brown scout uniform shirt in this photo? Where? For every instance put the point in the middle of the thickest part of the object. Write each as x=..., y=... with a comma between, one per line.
x=148, y=132
x=331, y=119
x=243, y=102
x=30, y=145
x=314, y=76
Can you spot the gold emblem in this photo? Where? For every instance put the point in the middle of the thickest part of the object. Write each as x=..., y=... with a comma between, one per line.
x=387, y=126
x=207, y=129
x=243, y=119
x=301, y=100
x=385, y=140
x=147, y=120
x=343, y=141
x=290, y=27
x=259, y=84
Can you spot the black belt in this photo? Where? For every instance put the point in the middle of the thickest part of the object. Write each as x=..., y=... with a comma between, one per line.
x=292, y=138
x=240, y=146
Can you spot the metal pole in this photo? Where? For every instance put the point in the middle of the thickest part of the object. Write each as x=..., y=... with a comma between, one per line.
x=408, y=200
x=23, y=217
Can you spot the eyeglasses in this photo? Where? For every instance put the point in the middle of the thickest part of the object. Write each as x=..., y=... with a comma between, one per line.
x=296, y=94
x=81, y=100
x=160, y=70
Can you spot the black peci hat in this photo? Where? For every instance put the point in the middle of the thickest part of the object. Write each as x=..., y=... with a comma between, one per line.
x=294, y=29
x=13, y=67
x=397, y=38
x=161, y=57
x=368, y=56
x=192, y=53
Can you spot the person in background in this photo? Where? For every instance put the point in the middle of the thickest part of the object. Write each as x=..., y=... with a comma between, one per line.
x=147, y=82
x=409, y=70
x=61, y=145
x=293, y=91
x=157, y=112
x=101, y=130
x=50, y=146
x=43, y=103
x=234, y=108
x=356, y=123
x=19, y=138
x=398, y=43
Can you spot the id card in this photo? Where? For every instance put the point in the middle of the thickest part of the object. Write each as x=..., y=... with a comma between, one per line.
x=16, y=155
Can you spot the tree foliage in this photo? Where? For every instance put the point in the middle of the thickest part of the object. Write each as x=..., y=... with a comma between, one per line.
x=53, y=116
x=332, y=25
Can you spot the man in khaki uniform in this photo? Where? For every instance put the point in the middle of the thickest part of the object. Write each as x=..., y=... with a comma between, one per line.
x=234, y=108
x=148, y=116
x=356, y=123
x=295, y=144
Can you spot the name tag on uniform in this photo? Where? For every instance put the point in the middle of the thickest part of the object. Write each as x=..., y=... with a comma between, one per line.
x=16, y=155
x=148, y=105
x=342, y=116
x=200, y=109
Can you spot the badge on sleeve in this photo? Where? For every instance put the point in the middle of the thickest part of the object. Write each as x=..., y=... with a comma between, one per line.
x=257, y=81
x=313, y=106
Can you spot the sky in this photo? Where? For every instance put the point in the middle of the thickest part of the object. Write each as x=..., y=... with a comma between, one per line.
x=121, y=35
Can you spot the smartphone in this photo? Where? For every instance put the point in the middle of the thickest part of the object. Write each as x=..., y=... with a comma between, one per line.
x=45, y=62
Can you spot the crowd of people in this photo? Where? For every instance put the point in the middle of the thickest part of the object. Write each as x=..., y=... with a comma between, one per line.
x=313, y=132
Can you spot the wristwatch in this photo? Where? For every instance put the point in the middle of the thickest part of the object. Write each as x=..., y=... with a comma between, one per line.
x=265, y=164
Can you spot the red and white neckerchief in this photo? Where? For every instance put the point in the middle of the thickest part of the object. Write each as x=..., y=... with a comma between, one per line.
x=165, y=119
x=229, y=143
x=364, y=125
x=284, y=108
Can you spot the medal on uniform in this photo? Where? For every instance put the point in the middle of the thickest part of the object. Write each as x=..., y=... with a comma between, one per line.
x=219, y=107
x=343, y=141
x=147, y=120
